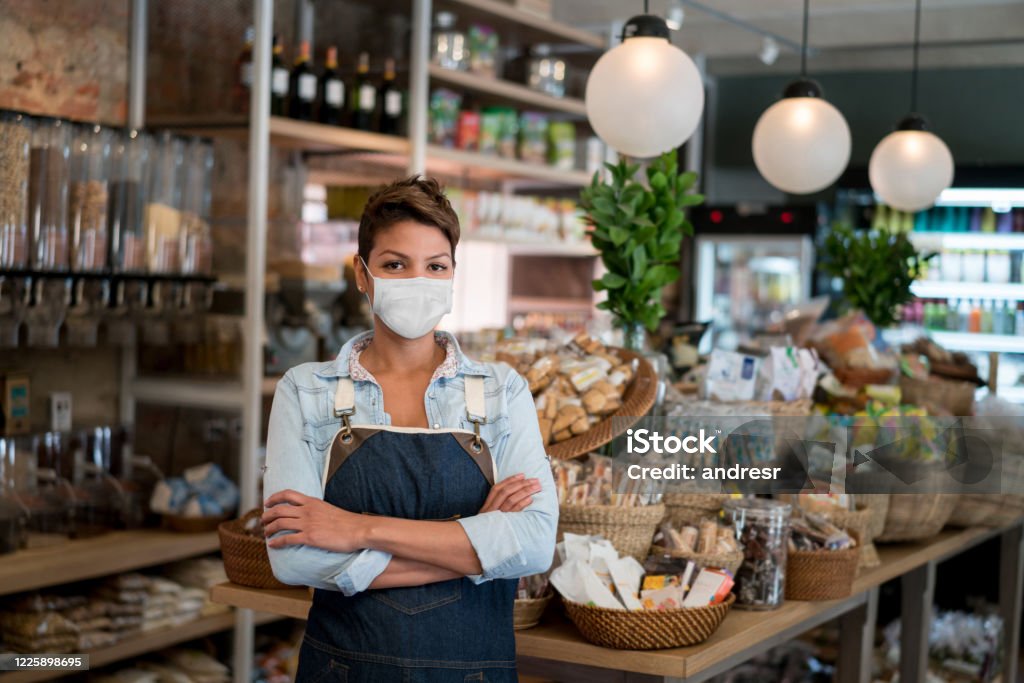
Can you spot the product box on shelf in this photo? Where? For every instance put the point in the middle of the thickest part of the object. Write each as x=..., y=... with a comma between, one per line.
x=14, y=402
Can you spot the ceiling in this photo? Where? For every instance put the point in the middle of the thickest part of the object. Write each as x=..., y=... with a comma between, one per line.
x=844, y=35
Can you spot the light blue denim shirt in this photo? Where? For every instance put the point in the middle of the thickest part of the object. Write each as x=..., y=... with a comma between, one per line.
x=302, y=428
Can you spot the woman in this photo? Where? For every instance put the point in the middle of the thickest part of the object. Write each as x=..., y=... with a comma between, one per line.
x=407, y=483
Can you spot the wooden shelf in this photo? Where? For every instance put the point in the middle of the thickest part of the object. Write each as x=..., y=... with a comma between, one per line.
x=508, y=92
x=535, y=247
x=461, y=162
x=543, y=304
x=742, y=634
x=147, y=642
x=194, y=393
x=117, y=551
x=518, y=26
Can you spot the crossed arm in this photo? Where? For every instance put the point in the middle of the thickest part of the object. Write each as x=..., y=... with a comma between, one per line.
x=422, y=552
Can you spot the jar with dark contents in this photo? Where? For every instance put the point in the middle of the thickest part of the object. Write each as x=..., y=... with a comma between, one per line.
x=88, y=198
x=49, y=170
x=196, y=240
x=38, y=491
x=12, y=515
x=762, y=529
x=15, y=139
x=129, y=157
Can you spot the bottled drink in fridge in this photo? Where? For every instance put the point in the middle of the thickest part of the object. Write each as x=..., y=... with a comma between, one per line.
x=278, y=80
x=302, y=86
x=89, y=198
x=391, y=101
x=364, y=95
x=331, y=100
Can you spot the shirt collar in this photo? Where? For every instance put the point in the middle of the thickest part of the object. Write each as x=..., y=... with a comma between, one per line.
x=346, y=364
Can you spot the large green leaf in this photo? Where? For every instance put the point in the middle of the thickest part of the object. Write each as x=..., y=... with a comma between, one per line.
x=618, y=235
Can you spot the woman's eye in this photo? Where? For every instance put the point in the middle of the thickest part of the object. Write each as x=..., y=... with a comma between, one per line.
x=393, y=265
x=438, y=267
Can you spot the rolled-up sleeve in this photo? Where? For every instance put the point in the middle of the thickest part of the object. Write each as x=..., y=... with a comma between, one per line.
x=514, y=544
x=292, y=463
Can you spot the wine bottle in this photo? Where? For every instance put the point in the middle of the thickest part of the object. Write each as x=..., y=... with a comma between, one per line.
x=331, y=98
x=364, y=100
x=243, y=73
x=278, y=81
x=391, y=102
x=302, y=86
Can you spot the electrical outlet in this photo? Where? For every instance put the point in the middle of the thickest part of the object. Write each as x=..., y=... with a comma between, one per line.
x=60, y=411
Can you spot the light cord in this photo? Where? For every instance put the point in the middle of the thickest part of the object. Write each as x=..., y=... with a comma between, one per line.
x=803, y=47
x=917, y=49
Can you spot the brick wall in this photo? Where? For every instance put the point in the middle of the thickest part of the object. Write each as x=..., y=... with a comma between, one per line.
x=50, y=65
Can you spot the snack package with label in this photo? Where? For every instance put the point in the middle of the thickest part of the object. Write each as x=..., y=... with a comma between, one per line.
x=592, y=573
x=731, y=376
x=787, y=374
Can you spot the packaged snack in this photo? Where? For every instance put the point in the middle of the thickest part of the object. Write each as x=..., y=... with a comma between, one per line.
x=468, y=134
x=731, y=376
x=533, y=134
x=483, y=50
x=562, y=145
x=444, y=116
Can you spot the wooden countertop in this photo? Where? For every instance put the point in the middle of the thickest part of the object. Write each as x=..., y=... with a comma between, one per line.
x=555, y=638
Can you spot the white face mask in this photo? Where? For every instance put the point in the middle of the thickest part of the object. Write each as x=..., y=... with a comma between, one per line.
x=411, y=307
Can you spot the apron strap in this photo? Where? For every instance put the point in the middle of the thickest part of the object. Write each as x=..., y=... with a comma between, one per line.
x=345, y=405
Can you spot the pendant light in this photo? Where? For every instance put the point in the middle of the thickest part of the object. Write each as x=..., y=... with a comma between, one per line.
x=801, y=143
x=645, y=96
x=911, y=166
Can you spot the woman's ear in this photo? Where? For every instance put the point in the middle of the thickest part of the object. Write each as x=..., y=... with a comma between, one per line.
x=362, y=281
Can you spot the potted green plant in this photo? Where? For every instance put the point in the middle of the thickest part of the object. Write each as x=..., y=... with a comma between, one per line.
x=638, y=228
x=877, y=268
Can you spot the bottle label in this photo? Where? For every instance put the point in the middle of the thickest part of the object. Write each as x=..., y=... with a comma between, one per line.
x=334, y=93
x=279, y=81
x=307, y=87
x=367, y=97
x=247, y=74
x=393, y=104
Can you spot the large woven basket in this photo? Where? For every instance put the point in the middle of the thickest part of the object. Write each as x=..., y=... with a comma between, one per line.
x=821, y=574
x=687, y=509
x=916, y=516
x=729, y=561
x=526, y=613
x=994, y=509
x=637, y=400
x=245, y=556
x=953, y=396
x=630, y=529
x=647, y=629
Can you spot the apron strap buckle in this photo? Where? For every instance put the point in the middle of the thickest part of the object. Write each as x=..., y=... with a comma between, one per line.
x=477, y=445
x=346, y=429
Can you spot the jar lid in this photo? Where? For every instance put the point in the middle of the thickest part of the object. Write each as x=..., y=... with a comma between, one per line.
x=758, y=507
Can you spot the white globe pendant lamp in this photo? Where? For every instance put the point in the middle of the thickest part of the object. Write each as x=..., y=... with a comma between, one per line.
x=911, y=166
x=801, y=143
x=645, y=96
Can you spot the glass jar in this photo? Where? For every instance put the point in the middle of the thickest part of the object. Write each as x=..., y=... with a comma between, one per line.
x=49, y=169
x=448, y=45
x=196, y=239
x=762, y=529
x=15, y=141
x=546, y=73
x=12, y=516
x=129, y=160
x=41, y=493
x=162, y=215
x=89, y=199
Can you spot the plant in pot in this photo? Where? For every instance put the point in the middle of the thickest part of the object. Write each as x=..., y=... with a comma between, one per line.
x=638, y=228
x=877, y=268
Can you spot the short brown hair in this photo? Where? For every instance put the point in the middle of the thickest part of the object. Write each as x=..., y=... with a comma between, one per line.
x=414, y=198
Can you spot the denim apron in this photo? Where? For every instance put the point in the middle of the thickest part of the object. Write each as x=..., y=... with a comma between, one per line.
x=447, y=632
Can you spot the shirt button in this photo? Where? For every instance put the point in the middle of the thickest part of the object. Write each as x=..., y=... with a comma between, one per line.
x=437, y=426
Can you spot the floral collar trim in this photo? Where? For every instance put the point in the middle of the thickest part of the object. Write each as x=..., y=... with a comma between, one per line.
x=447, y=369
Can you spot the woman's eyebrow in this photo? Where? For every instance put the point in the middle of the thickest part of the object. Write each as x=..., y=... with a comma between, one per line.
x=396, y=253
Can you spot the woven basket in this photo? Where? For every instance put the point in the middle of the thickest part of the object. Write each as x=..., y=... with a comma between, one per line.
x=688, y=509
x=630, y=529
x=728, y=561
x=527, y=613
x=986, y=509
x=647, y=629
x=637, y=400
x=953, y=396
x=821, y=574
x=858, y=378
x=916, y=516
x=245, y=556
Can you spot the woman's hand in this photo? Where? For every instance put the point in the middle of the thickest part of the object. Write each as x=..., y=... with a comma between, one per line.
x=315, y=523
x=513, y=494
